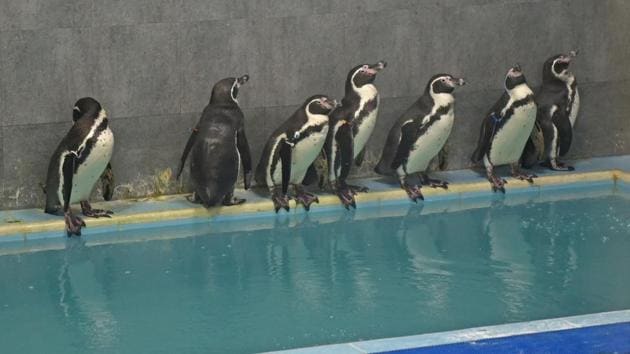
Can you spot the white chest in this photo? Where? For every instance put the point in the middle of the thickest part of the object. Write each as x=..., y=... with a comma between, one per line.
x=509, y=142
x=429, y=144
x=368, y=93
x=92, y=167
x=305, y=152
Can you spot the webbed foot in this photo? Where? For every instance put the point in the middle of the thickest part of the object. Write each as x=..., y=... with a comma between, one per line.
x=346, y=196
x=425, y=180
x=88, y=211
x=73, y=224
x=306, y=199
x=413, y=192
x=280, y=202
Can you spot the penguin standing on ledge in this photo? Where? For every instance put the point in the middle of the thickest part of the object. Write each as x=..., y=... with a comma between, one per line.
x=419, y=135
x=77, y=164
x=506, y=128
x=351, y=125
x=291, y=149
x=219, y=146
x=558, y=104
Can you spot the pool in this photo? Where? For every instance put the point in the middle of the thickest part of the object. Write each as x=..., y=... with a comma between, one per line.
x=265, y=283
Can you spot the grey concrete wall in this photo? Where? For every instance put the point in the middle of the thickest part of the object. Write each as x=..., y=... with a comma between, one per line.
x=152, y=65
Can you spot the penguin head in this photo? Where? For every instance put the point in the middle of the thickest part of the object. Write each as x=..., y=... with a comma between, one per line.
x=319, y=104
x=557, y=67
x=514, y=77
x=443, y=83
x=226, y=90
x=364, y=74
x=86, y=107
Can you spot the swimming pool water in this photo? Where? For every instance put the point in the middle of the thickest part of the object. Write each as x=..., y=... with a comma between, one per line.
x=317, y=282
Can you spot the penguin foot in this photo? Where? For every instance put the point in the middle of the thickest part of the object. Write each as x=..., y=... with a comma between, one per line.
x=306, y=199
x=86, y=209
x=280, y=202
x=557, y=166
x=498, y=184
x=524, y=176
x=433, y=183
x=413, y=191
x=358, y=189
x=346, y=196
x=233, y=201
x=73, y=224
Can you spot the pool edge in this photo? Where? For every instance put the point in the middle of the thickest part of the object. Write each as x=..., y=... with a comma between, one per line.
x=468, y=335
x=21, y=229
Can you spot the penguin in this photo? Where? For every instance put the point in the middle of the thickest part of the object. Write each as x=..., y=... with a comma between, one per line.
x=291, y=149
x=351, y=125
x=420, y=134
x=77, y=164
x=558, y=105
x=506, y=128
x=219, y=146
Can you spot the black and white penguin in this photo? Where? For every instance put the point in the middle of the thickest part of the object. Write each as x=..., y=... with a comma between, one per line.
x=558, y=105
x=219, y=147
x=506, y=128
x=351, y=125
x=419, y=135
x=291, y=149
x=78, y=163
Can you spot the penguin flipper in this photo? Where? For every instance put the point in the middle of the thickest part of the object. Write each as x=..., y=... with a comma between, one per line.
x=565, y=132
x=311, y=175
x=246, y=156
x=285, y=160
x=345, y=154
x=189, y=145
x=360, y=157
x=485, y=139
x=408, y=137
x=107, y=182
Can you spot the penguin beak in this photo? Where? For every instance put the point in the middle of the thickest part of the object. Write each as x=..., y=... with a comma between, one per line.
x=330, y=104
x=243, y=79
x=574, y=53
x=517, y=68
x=375, y=68
x=459, y=81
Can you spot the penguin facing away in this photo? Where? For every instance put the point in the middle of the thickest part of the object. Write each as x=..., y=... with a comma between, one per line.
x=558, y=105
x=291, y=149
x=351, y=125
x=78, y=163
x=419, y=135
x=506, y=128
x=219, y=146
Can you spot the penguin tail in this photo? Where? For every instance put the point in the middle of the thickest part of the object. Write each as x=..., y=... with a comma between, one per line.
x=209, y=197
x=382, y=169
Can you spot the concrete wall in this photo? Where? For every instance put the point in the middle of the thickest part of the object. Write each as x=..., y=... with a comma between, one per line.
x=152, y=65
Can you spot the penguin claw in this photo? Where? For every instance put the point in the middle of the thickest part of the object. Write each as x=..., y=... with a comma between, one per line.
x=234, y=201
x=498, y=184
x=358, y=189
x=347, y=198
x=73, y=224
x=280, y=202
x=306, y=199
x=524, y=177
x=413, y=192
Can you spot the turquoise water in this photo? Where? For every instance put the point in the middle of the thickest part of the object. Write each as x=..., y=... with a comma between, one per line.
x=332, y=277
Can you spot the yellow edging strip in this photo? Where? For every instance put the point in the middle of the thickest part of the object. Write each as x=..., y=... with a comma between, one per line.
x=265, y=206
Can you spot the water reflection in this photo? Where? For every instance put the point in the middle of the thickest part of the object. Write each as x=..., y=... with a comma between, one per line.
x=322, y=278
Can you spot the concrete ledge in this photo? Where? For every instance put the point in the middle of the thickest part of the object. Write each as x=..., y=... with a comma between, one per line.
x=20, y=224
